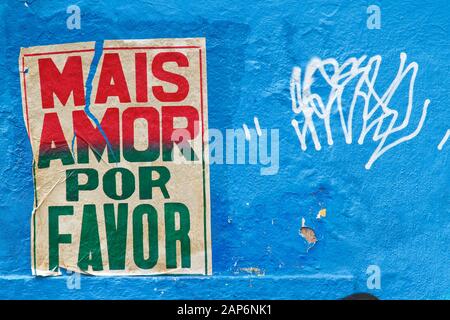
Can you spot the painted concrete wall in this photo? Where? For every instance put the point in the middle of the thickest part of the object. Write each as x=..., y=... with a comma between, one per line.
x=394, y=216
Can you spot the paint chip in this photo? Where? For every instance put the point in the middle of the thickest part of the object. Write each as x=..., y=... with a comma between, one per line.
x=308, y=233
x=322, y=214
x=253, y=270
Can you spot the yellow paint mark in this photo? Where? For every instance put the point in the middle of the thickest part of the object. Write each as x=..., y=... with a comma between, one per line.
x=322, y=213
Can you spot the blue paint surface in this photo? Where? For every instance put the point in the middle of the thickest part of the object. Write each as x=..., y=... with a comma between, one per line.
x=395, y=216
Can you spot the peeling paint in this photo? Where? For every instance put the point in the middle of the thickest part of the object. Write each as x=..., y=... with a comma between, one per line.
x=253, y=270
x=321, y=214
x=308, y=234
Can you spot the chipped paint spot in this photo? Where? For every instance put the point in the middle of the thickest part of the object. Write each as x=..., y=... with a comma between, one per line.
x=253, y=270
x=322, y=214
x=308, y=234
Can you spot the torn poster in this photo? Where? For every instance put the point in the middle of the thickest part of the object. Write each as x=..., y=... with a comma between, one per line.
x=117, y=130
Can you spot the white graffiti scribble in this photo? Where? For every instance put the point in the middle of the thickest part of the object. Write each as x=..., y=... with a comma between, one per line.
x=444, y=140
x=257, y=127
x=378, y=112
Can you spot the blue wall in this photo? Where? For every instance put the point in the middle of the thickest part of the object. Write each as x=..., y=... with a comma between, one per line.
x=395, y=215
